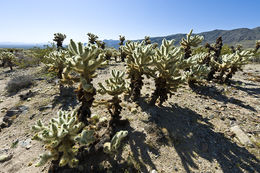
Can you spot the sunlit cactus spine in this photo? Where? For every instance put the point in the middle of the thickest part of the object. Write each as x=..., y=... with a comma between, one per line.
x=92, y=38
x=139, y=62
x=59, y=38
x=121, y=44
x=189, y=42
x=84, y=61
x=7, y=58
x=60, y=137
x=113, y=146
x=115, y=86
x=167, y=62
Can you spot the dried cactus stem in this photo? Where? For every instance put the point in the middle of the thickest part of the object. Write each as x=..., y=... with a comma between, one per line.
x=86, y=99
x=136, y=85
x=160, y=92
x=187, y=51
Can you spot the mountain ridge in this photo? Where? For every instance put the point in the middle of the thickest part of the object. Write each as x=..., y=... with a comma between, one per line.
x=244, y=36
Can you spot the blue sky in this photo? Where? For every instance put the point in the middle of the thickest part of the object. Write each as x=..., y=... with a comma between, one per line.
x=35, y=21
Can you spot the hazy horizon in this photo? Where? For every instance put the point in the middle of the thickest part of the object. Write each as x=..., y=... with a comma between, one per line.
x=34, y=22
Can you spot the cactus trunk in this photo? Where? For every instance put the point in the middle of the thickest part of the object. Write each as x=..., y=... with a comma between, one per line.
x=136, y=85
x=86, y=99
x=161, y=91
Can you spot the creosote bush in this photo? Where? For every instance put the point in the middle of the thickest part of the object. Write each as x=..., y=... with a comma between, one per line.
x=19, y=82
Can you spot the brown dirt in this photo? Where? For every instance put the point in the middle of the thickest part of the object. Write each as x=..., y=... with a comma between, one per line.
x=189, y=133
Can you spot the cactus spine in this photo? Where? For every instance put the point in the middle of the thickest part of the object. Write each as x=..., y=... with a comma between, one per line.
x=113, y=146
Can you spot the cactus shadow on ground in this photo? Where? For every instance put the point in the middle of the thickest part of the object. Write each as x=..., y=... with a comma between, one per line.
x=66, y=99
x=214, y=93
x=193, y=136
x=251, y=91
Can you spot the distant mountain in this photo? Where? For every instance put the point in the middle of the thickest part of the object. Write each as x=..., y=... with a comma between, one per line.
x=243, y=36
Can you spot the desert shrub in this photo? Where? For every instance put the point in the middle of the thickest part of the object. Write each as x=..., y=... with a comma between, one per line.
x=19, y=82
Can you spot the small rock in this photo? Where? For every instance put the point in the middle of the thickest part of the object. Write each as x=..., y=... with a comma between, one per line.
x=45, y=107
x=208, y=108
x=211, y=116
x=134, y=110
x=241, y=136
x=5, y=157
x=154, y=171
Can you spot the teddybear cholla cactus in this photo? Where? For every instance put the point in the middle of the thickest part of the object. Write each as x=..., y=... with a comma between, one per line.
x=92, y=38
x=113, y=146
x=56, y=61
x=139, y=61
x=115, y=86
x=59, y=38
x=189, y=42
x=60, y=138
x=196, y=69
x=7, y=58
x=168, y=61
x=230, y=63
x=84, y=61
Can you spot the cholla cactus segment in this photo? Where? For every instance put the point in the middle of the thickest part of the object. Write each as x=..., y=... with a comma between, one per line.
x=113, y=146
x=196, y=69
x=83, y=60
x=60, y=136
x=56, y=60
x=115, y=85
x=191, y=41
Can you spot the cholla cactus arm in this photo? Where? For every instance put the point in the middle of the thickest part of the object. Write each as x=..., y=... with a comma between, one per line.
x=115, y=85
x=113, y=146
x=197, y=70
x=189, y=42
x=60, y=136
x=56, y=61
